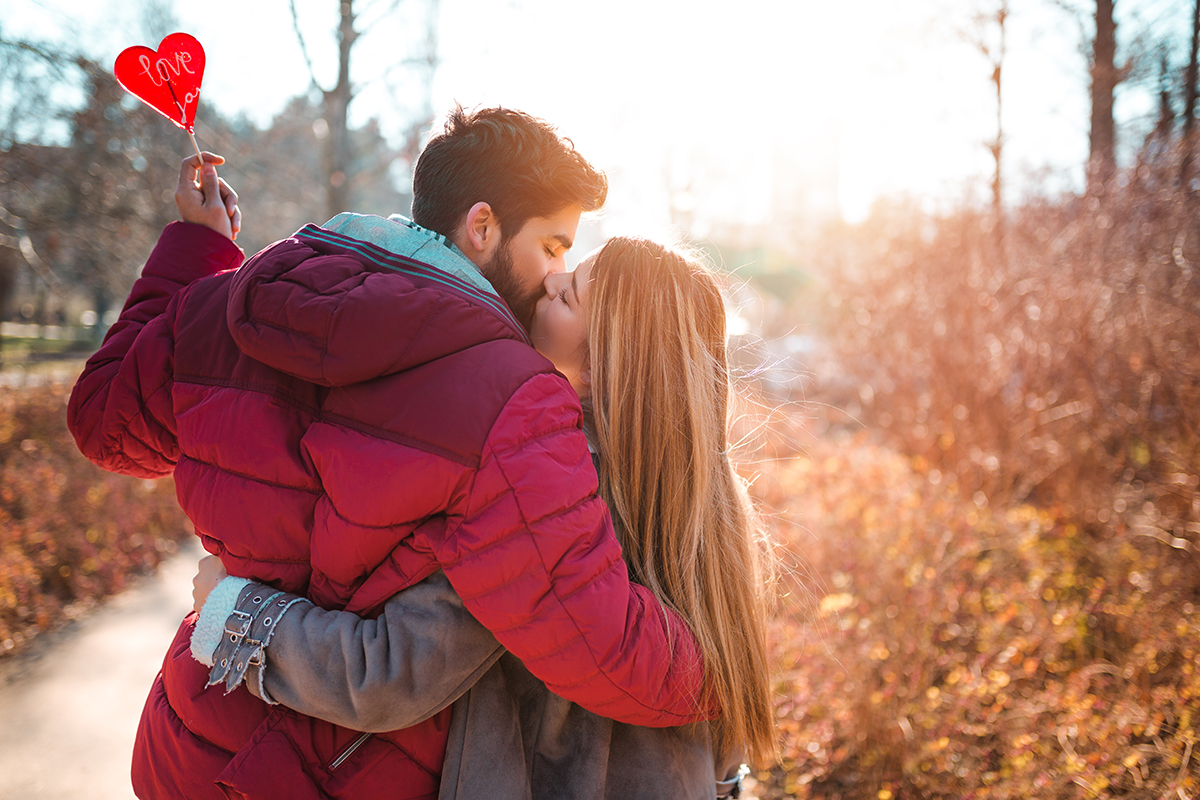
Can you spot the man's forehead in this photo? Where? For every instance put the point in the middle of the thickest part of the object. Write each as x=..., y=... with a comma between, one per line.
x=563, y=239
x=559, y=227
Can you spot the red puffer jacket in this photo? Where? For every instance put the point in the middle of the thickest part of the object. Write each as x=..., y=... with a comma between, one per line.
x=341, y=421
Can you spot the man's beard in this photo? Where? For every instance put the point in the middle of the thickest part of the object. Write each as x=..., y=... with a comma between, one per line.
x=521, y=300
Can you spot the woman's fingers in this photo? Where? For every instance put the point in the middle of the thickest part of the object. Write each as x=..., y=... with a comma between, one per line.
x=230, y=198
x=210, y=571
x=204, y=198
x=191, y=165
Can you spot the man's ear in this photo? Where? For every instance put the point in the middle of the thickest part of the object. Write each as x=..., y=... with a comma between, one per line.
x=481, y=231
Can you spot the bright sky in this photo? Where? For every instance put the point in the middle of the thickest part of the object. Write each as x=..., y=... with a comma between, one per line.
x=754, y=111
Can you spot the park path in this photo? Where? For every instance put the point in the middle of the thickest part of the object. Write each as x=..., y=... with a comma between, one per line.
x=69, y=709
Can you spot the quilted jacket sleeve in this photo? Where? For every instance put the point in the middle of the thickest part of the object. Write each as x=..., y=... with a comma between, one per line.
x=536, y=561
x=120, y=409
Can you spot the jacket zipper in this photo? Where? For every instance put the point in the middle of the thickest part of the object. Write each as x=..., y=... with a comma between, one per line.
x=349, y=751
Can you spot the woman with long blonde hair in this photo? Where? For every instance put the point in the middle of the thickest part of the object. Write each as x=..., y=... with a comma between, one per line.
x=639, y=330
x=659, y=412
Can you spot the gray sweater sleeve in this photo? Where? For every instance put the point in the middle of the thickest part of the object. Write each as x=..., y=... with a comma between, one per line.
x=425, y=652
x=419, y=656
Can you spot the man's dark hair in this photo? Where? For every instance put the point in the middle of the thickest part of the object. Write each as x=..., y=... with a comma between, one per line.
x=515, y=163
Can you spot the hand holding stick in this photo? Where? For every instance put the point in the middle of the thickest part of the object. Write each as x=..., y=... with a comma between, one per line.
x=206, y=199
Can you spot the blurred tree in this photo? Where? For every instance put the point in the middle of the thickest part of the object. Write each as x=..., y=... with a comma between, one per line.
x=80, y=183
x=86, y=182
x=158, y=19
x=1164, y=127
x=278, y=172
x=1159, y=155
x=31, y=73
x=119, y=173
x=989, y=34
x=9, y=263
x=340, y=162
x=1151, y=34
x=24, y=187
x=1189, y=101
x=1105, y=76
x=8, y=271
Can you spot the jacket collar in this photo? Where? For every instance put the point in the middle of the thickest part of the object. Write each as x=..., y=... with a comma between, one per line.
x=400, y=235
x=302, y=307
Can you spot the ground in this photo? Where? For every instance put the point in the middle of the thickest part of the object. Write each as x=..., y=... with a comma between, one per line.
x=71, y=704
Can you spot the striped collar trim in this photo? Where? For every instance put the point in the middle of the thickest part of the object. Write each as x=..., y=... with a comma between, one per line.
x=436, y=260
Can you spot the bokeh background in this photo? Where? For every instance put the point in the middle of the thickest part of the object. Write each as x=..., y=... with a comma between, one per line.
x=961, y=238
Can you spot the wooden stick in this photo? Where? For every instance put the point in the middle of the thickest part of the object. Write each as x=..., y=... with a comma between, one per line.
x=191, y=136
x=200, y=155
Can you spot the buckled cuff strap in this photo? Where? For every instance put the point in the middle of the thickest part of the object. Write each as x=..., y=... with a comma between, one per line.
x=248, y=631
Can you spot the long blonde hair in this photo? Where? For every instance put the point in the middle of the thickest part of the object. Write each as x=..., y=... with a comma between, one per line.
x=658, y=410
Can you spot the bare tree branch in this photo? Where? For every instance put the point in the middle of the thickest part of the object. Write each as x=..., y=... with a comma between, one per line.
x=39, y=266
x=988, y=34
x=40, y=50
x=373, y=13
x=312, y=75
x=1077, y=16
x=29, y=252
x=1190, y=75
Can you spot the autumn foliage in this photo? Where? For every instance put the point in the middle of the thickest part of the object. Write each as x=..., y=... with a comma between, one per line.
x=995, y=548
x=70, y=533
x=1050, y=357
x=933, y=648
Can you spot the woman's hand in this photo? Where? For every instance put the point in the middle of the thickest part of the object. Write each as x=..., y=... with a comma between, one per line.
x=210, y=572
x=210, y=202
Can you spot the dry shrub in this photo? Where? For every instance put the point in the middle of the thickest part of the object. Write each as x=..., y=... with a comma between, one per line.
x=1053, y=361
x=1011, y=608
x=70, y=533
x=966, y=652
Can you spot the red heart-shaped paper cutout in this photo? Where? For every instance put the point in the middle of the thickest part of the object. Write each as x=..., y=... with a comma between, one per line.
x=167, y=80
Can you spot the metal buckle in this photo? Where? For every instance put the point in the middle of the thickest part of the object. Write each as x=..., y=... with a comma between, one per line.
x=240, y=626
